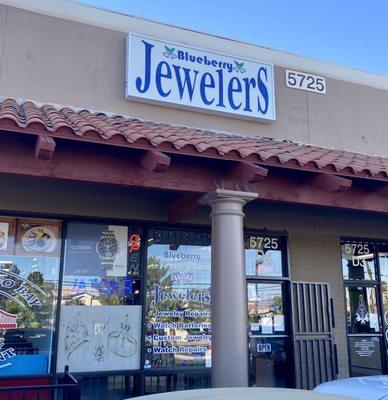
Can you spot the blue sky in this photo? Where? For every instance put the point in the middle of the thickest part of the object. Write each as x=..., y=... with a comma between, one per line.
x=347, y=32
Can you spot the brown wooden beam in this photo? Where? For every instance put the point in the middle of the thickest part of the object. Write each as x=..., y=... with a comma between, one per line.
x=246, y=172
x=182, y=207
x=383, y=191
x=44, y=147
x=330, y=183
x=154, y=161
x=119, y=141
x=81, y=162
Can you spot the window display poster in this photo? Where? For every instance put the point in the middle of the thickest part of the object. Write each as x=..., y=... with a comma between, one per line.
x=7, y=235
x=278, y=323
x=104, y=338
x=178, y=314
x=96, y=250
x=38, y=238
x=4, y=231
x=266, y=325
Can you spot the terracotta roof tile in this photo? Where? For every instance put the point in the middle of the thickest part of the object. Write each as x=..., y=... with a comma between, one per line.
x=29, y=116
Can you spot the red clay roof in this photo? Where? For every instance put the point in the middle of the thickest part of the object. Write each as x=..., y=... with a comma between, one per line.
x=66, y=122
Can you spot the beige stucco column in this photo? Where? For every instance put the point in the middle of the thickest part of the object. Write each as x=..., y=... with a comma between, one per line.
x=228, y=288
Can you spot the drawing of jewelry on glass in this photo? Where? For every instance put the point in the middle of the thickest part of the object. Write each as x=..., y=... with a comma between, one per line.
x=362, y=314
x=100, y=340
x=182, y=278
x=76, y=335
x=121, y=342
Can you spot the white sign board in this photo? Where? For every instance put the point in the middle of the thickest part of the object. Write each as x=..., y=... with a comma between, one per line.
x=302, y=81
x=182, y=76
x=99, y=338
x=264, y=347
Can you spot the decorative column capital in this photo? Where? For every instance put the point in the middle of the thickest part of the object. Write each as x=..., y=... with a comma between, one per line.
x=227, y=195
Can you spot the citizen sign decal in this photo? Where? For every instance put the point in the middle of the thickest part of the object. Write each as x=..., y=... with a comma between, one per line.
x=198, y=79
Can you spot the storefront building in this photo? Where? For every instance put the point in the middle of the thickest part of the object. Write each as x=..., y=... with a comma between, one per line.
x=181, y=210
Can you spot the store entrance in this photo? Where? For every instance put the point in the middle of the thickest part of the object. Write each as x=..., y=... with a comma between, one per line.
x=269, y=336
x=365, y=272
x=365, y=337
x=269, y=310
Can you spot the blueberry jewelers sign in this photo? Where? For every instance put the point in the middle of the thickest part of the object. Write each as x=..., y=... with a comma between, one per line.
x=202, y=80
x=178, y=309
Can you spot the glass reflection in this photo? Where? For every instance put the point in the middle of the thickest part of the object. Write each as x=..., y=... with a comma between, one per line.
x=265, y=308
x=264, y=256
x=29, y=269
x=178, y=309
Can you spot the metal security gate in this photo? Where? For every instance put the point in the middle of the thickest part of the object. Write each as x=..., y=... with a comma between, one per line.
x=314, y=352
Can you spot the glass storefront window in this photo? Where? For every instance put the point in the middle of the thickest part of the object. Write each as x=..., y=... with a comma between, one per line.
x=358, y=261
x=29, y=270
x=382, y=251
x=178, y=311
x=100, y=317
x=265, y=255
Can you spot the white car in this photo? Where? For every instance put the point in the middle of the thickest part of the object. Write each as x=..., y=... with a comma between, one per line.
x=363, y=388
x=244, y=393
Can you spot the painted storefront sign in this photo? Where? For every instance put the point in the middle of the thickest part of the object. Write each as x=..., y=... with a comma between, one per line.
x=183, y=76
x=103, y=338
x=178, y=331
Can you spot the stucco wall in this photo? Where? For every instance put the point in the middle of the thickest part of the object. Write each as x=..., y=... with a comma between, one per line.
x=316, y=258
x=64, y=62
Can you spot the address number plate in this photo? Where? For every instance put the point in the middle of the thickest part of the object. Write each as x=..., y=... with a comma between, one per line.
x=303, y=81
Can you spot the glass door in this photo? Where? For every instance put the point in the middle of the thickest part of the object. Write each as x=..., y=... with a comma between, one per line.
x=268, y=310
x=382, y=256
x=364, y=271
x=268, y=334
x=364, y=330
